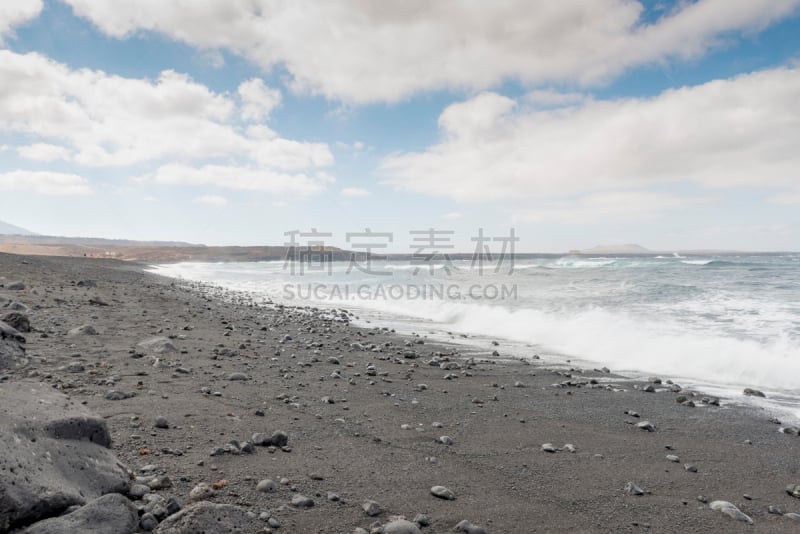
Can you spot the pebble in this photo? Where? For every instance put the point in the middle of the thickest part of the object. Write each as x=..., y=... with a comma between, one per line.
x=446, y=440
x=76, y=367
x=371, y=508
x=775, y=510
x=633, y=489
x=673, y=458
x=691, y=468
x=750, y=392
x=238, y=377
x=730, y=510
x=401, y=526
x=469, y=528
x=201, y=492
x=792, y=515
x=548, y=447
x=138, y=491
x=161, y=422
x=301, y=501
x=267, y=486
x=148, y=522
x=646, y=425
x=443, y=493
x=793, y=490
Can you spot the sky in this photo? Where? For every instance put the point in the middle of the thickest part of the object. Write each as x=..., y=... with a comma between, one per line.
x=673, y=125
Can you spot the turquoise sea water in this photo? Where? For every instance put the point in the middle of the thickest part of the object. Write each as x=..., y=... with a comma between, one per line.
x=717, y=322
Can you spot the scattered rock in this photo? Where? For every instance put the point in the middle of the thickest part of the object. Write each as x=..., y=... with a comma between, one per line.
x=83, y=330
x=468, y=528
x=267, y=486
x=161, y=422
x=109, y=513
x=12, y=347
x=443, y=493
x=210, y=518
x=238, y=377
x=18, y=321
x=114, y=395
x=371, y=508
x=730, y=510
x=752, y=393
x=301, y=501
x=646, y=425
x=201, y=492
x=633, y=489
x=401, y=526
x=793, y=490
x=148, y=522
x=157, y=345
x=548, y=447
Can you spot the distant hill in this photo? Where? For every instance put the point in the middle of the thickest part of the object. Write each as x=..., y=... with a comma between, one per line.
x=614, y=249
x=10, y=229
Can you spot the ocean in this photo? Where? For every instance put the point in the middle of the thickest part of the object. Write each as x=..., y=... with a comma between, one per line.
x=714, y=323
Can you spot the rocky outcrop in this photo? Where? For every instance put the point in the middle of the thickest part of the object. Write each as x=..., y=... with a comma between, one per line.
x=55, y=455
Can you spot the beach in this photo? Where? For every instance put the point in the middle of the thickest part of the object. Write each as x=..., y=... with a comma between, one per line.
x=212, y=388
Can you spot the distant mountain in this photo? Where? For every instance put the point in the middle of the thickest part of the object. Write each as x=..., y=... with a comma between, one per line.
x=615, y=249
x=10, y=229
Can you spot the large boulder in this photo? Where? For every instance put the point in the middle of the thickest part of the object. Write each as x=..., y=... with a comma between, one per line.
x=55, y=455
x=209, y=518
x=106, y=514
x=12, y=347
x=17, y=320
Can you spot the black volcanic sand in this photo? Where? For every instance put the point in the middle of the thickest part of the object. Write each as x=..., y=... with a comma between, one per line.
x=368, y=437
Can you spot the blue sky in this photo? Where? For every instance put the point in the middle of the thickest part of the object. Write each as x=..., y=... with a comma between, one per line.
x=674, y=125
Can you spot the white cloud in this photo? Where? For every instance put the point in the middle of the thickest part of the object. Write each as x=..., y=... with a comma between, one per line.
x=114, y=121
x=13, y=14
x=212, y=200
x=258, y=100
x=452, y=216
x=787, y=198
x=621, y=205
x=348, y=49
x=725, y=133
x=241, y=179
x=43, y=152
x=354, y=192
x=46, y=183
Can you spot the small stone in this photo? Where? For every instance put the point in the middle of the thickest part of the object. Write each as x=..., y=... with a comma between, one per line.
x=333, y=497
x=201, y=492
x=792, y=515
x=646, y=425
x=422, y=520
x=267, y=486
x=793, y=490
x=548, y=447
x=160, y=482
x=238, y=377
x=691, y=468
x=443, y=493
x=750, y=392
x=371, y=508
x=401, y=526
x=161, y=422
x=446, y=440
x=730, y=510
x=138, y=491
x=301, y=501
x=633, y=489
x=75, y=367
x=673, y=458
x=148, y=522
x=775, y=510
x=468, y=528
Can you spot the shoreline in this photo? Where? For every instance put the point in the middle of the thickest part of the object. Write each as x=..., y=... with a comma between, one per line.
x=348, y=435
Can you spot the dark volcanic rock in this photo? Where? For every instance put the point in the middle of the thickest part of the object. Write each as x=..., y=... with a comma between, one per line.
x=109, y=513
x=209, y=518
x=12, y=346
x=18, y=321
x=55, y=455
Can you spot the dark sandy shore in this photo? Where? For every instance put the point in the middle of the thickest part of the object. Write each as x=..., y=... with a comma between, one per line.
x=364, y=410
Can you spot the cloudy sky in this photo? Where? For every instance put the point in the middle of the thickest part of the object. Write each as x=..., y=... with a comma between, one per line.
x=578, y=122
